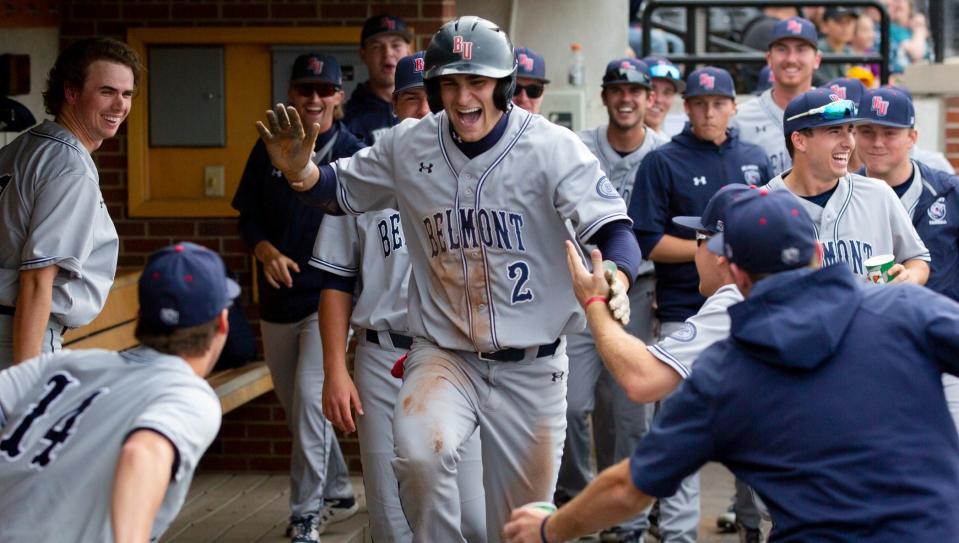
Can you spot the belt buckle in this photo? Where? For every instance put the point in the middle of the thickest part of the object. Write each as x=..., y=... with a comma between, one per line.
x=482, y=356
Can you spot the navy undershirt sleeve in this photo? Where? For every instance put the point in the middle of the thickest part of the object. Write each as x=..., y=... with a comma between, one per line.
x=323, y=193
x=617, y=243
x=338, y=282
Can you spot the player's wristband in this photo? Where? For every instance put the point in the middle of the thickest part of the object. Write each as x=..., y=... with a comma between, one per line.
x=542, y=526
x=592, y=299
x=300, y=175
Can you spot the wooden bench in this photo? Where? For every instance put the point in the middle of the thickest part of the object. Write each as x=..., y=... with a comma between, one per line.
x=114, y=328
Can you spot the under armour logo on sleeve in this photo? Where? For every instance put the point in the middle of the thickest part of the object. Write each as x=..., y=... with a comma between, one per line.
x=427, y=167
x=558, y=375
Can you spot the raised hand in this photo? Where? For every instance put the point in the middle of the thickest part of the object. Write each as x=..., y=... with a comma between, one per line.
x=289, y=147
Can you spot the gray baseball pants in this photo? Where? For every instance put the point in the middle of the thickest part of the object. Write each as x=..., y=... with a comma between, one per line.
x=52, y=339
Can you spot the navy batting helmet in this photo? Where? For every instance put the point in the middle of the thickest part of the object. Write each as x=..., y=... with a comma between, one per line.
x=470, y=45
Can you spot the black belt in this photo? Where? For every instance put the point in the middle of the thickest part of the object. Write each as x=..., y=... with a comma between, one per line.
x=7, y=310
x=516, y=355
x=399, y=340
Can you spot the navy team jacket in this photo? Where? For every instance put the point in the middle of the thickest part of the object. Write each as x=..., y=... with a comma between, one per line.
x=937, y=220
x=366, y=114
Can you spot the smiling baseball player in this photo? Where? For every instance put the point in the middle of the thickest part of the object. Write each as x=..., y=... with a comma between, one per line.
x=484, y=192
x=59, y=250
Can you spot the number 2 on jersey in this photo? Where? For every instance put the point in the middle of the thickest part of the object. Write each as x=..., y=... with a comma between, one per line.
x=519, y=271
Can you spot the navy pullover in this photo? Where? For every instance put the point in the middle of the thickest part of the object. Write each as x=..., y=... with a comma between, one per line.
x=366, y=114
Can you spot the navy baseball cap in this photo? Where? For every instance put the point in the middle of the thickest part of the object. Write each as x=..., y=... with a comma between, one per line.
x=767, y=234
x=887, y=107
x=713, y=219
x=409, y=72
x=710, y=81
x=818, y=108
x=627, y=71
x=765, y=80
x=795, y=28
x=384, y=24
x=316, y=68
x=184, y=285
x=847, y=88
x=838, y=12
x=661, y=68
x=900, y=88
x=530, y=64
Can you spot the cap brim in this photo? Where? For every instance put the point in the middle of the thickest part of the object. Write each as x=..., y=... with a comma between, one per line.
x=647, y=86
x=680, y=85
x=864, y=121
x=717, y=244
x=800, y=38
x=712, y=93
x=300, y=80
x=396, y=92
x=693, y=223
x=232, y=289
x=405, y=35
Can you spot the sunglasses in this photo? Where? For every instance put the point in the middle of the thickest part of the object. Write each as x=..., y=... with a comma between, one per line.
x=832, y=111
x=306, y=90
x=533, y=91
x=665, y=71
x=701, y=238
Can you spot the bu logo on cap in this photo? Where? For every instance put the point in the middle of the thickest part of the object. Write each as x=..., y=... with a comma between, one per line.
x=464, y=48
x=841, y=91
x=626, y=65
x=707, y=81
x=880, y=106
x=793, y=26
x=386, y=22
x=418, y=64
x=315, y=65
x=526, y=62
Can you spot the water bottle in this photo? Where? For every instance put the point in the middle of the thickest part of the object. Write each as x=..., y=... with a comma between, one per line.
x=577, y=66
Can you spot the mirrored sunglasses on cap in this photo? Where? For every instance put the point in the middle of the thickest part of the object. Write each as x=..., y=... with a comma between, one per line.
x=325, y=90
x=533, y=91
x=633, y=76
x=832, y=111
x=665, y=71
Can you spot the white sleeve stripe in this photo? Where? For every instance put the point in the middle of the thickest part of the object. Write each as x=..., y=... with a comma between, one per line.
x=333, y=268
x=599, y=223
x=344, y=200
x=669, y=359
x=37, y=260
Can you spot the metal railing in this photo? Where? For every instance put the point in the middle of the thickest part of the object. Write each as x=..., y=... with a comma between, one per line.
x=698, y=38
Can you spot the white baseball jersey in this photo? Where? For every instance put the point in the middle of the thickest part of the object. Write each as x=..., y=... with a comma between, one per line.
x=63, y=420
x=371, y=247
x=485, y=235
x=710, y=324
x=53, y=213
x=621, y=169
x=862, y=218
x=760, y=122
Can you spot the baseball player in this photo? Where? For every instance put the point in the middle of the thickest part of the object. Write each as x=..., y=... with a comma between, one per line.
x=884, y=140
x=59, y=250
x=792, y=57
x=280, y=230
x=105, y=443
x=384, y=40
x=856, y=218
x=679, y=178
x=890, y=470
x=934, y=159
x=620, y=145
x=369, y=252
x=484, y=191
x=530, y=79
x=667, y=83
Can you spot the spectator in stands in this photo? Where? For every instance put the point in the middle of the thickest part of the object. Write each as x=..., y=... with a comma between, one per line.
x=839, y=26
x=908, y=36
x=865, y=40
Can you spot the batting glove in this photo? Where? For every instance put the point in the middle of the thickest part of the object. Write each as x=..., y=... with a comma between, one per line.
x=618, y=299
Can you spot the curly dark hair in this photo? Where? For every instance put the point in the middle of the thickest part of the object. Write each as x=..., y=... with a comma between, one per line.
x=71, y=67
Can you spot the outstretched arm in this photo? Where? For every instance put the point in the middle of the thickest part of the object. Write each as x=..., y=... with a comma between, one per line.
x=290, y=147
x=144, y=470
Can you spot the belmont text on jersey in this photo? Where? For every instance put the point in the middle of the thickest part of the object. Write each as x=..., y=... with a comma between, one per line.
x=391, y=234
x=468, y=229
x=851, y=251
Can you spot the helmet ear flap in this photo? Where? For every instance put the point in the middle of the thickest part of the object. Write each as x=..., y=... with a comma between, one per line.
x=503, y=93
x=433, y=94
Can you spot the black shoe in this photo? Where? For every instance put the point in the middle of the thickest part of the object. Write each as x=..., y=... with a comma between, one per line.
x=618, y=534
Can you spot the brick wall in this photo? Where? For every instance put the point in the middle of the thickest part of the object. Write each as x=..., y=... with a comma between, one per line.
x=254, y=436
x=952, y=130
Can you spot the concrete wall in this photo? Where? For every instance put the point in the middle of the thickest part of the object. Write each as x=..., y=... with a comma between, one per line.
x=42, y=44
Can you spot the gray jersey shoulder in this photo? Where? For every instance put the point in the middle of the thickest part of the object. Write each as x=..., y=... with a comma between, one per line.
x=54, y=214
x=371, y=247
x=760, y=122
x=103, y=396
x=863, y=218
x=709, y=325
x=485, y=234
x=934, y=159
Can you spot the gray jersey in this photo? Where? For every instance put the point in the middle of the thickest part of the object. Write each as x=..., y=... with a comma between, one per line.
x=710, y=324
x=485, y=235
x=862, y=218
x=63, y=420
x=621, y=169
x=372, y=247
x=760, y=122
x=933, y=159
x=53, y=213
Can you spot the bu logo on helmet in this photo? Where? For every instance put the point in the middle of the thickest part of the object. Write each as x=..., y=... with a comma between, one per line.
x=841, y=91
x=707, y=81
x=418, y=64
x=315, y=65
x=464, y=48
x=526, y=62
x=880, y=106
x=793, y=26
